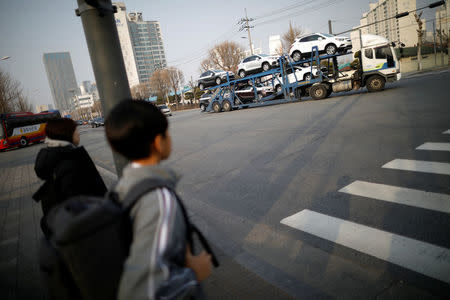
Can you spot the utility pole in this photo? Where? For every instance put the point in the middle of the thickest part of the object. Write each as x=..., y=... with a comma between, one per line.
x=245, y=25
x=330, y=30
x=103, y=43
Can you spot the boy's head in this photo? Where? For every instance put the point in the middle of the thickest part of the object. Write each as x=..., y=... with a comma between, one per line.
x=138, y=130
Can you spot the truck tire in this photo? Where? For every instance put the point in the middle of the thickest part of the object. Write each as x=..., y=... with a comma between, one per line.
x=298, y=93
x=318, y=92
x=216, y=107
x=375, y=83
x=202, y=107
x=279, y=88
x=226, y=105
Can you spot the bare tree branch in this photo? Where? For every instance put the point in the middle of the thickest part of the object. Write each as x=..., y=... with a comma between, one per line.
x=11, y=95
x=224, y=56
x=159, y=82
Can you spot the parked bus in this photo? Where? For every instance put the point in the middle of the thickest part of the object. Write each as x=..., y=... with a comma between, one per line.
x=23, y=128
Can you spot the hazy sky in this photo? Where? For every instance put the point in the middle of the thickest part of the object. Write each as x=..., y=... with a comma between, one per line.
x=30, y=28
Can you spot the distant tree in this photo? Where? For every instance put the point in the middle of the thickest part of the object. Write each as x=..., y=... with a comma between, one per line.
x=11, y=95
x=159, y=83
x=224, y=56
x=194, y=88
x=420, y=33
x=141, y=91
x=22, y=104
x=176, y=80
x=97, y=108
x=288, y=38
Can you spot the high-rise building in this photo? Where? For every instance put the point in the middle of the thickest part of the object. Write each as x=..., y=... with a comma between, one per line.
x=147, y=44
x=61, y=78
x=125, y=44
x=401, y=29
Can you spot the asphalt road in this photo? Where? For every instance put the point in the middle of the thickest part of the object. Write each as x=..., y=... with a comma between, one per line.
x=245, y=171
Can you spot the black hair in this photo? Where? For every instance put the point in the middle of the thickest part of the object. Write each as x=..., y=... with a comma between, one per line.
x=132, y=126
x=61, y=129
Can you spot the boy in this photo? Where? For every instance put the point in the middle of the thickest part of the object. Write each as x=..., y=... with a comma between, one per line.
x=160, y=263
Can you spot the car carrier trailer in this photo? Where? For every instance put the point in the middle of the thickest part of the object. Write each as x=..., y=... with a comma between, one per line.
x=375, y=64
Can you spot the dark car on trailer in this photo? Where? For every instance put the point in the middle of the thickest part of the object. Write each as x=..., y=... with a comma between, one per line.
x=212, y=78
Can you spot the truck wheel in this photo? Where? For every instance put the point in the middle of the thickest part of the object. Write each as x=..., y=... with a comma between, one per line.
x=298, y=93
x=216, y=107
x=375, y=83
x=23, y=141
x=202, y=107
x=318, y=92
x=278, y=88
x=265, y=66
x=226, y=105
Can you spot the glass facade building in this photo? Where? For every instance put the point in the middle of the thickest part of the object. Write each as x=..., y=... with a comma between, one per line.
x=147, y=44
x=61, y=78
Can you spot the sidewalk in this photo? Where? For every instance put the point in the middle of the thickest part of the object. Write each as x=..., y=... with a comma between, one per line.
x=19, y=243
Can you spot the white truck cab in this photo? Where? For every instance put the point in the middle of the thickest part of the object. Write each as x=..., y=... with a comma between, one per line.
x=378, y=56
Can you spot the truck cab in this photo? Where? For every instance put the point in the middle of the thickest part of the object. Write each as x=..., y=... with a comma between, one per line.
x=378, y=61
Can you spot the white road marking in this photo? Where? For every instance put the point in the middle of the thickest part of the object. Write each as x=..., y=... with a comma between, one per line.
x=435, y=146
x=400, y=195
x=446, y=132
x=419, y=166
x=421, y=257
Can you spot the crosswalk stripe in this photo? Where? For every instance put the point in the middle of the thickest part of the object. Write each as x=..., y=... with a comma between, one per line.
x=446, y=132
x=435, y=146
x=421, y=257
x=419, y=166
x=400, y=195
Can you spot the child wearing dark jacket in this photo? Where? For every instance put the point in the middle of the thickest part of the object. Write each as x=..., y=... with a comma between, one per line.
x=66, y=168
x=160, y=264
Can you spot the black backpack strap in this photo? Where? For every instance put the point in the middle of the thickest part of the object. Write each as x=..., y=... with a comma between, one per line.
x=146, y=185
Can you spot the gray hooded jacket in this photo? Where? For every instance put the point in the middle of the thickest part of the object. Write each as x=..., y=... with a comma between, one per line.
x=155, y=268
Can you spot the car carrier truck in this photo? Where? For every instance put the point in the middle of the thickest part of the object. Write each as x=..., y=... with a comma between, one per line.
x=375, y=64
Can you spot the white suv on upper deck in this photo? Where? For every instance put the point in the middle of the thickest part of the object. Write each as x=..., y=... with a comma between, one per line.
x=326, y=43
x=258, y=62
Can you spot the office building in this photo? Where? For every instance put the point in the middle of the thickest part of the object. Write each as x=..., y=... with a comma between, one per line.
x=401, y=29
x=147, y=44
x=61, y=78
x=126, y=44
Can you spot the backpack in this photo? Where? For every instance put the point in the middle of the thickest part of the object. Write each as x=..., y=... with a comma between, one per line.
x=89, y=242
